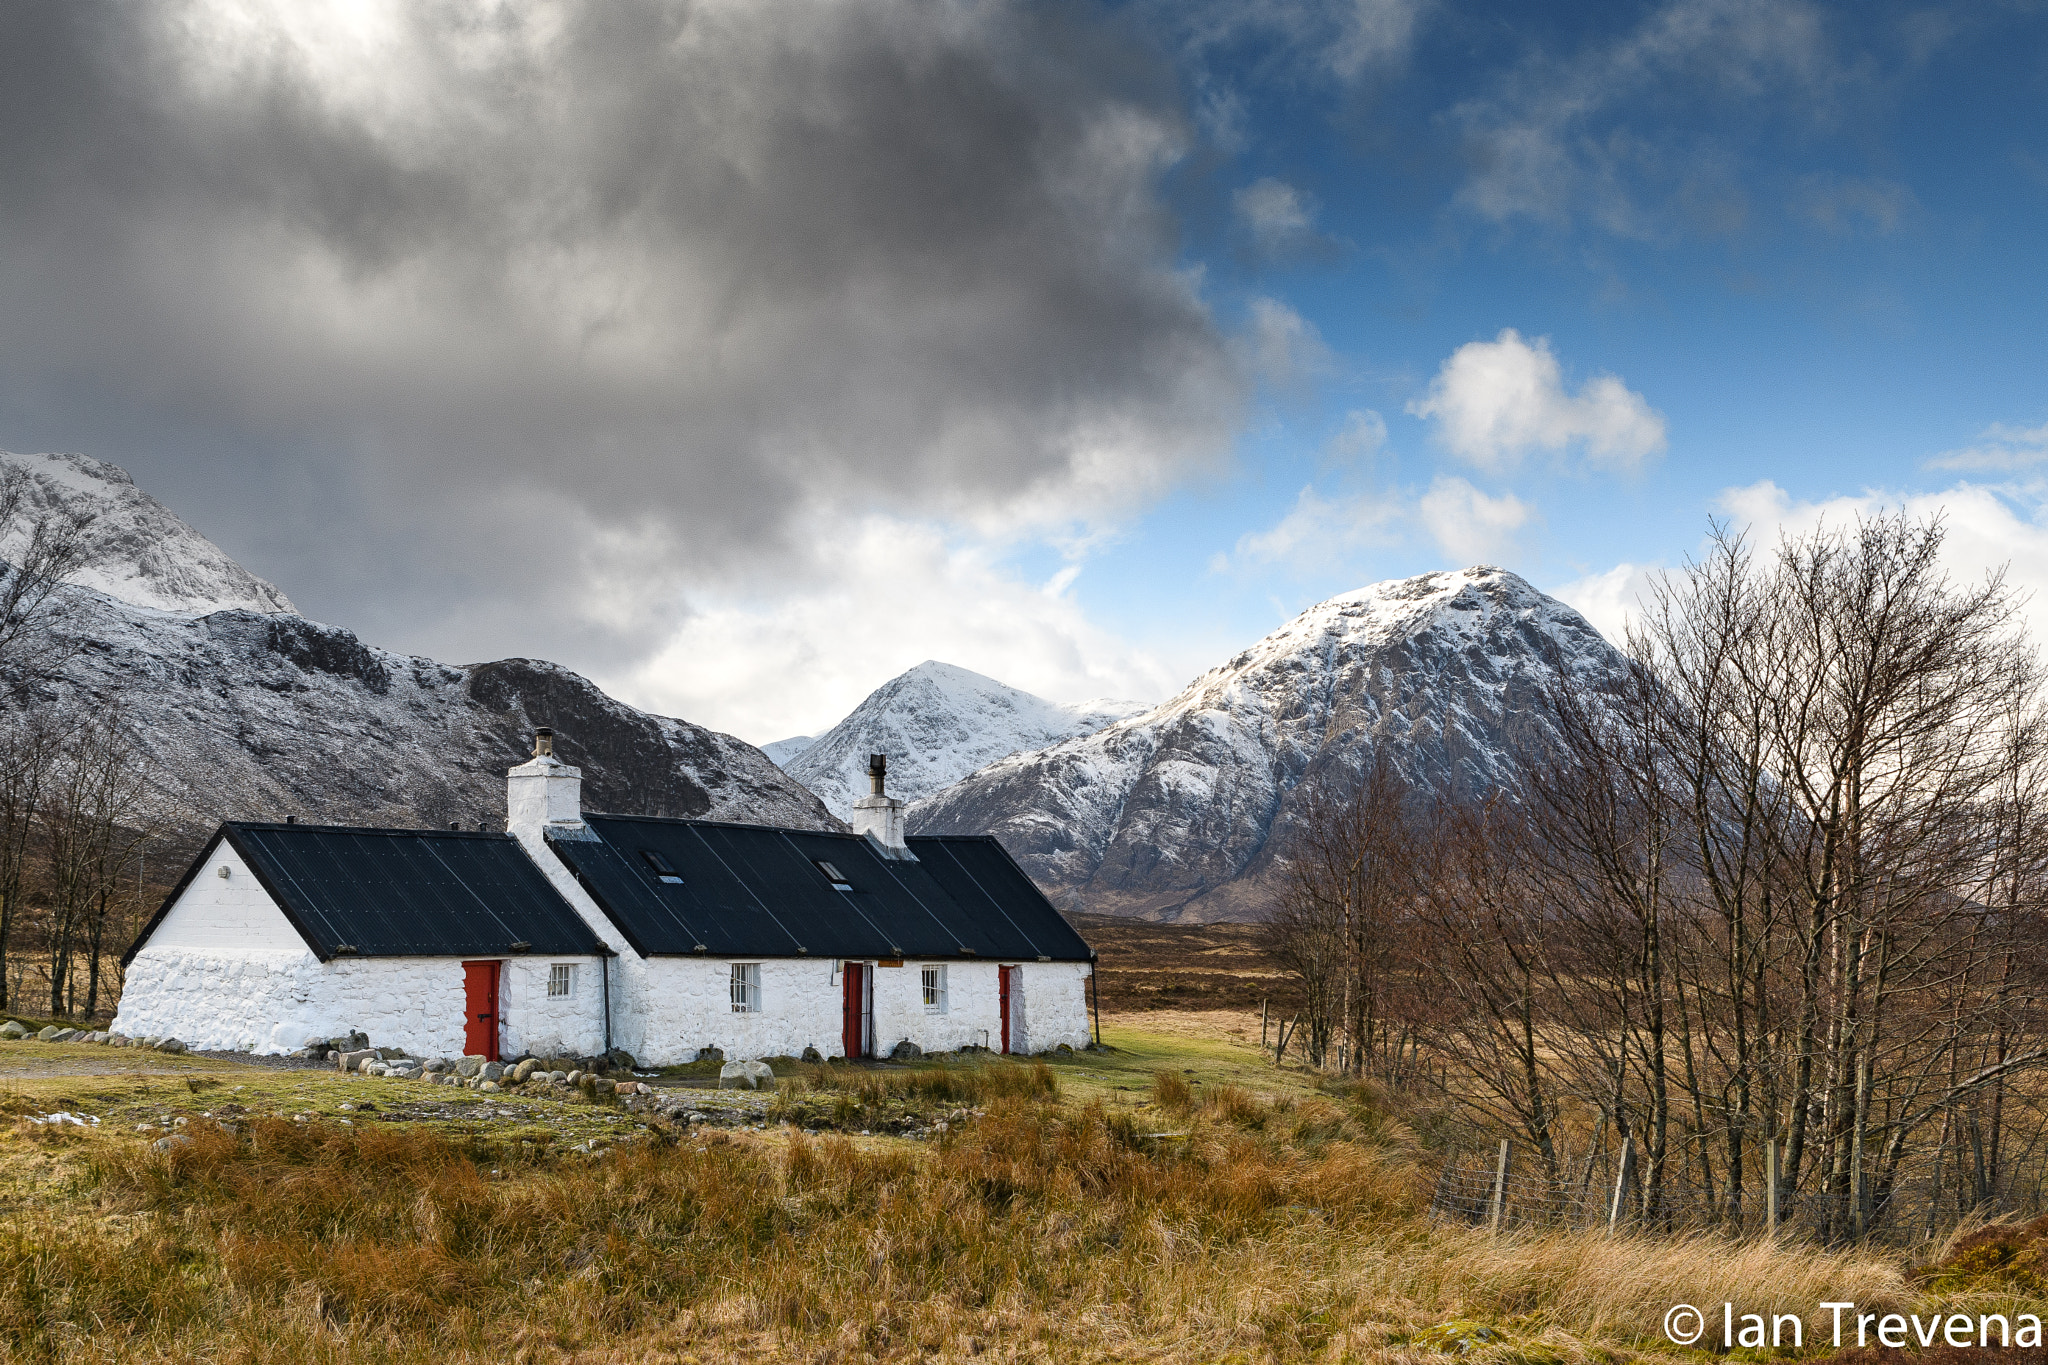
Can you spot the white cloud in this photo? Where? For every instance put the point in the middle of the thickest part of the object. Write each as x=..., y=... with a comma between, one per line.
x=1573, y=136
x=1837, y=204
x=1319, y=534
x=1610, y=600
x=1363, y=435
x=1494, y=401
x=2000, y=448
x=1989, y=527
x=796, y=662
x=1274, y=211
x=1323, y=534
x=1280, y=346
x=1471, y=527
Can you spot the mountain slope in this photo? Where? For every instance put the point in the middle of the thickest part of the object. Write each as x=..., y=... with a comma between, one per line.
x=248, y=715
x=937, y=723
x=148, y=557
x=1174, y=813
x=241, y=708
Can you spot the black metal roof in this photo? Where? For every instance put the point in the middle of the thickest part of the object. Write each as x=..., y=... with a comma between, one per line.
x=753, y=890
x=402, y=892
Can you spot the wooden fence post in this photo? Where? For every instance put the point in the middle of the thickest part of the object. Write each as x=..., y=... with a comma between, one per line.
x=1500, y=1185
x=1263, y=1042
x=1621, y=1179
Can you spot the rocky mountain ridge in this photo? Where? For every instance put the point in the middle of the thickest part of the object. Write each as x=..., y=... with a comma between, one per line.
x=242, y=709
x=937, y=722
x=147, y=555
x=1178, y=813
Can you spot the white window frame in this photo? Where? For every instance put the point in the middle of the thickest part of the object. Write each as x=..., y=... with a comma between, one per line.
x=934, y=985
x=746, y=988
x=562, y=974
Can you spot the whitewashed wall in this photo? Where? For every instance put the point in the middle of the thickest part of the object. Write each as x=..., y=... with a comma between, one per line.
x=226, y=971
x=1054, y=1007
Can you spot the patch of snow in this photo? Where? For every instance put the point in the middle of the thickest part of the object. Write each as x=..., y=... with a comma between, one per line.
x=147, y=556
x=781, y=751
x=938, y=722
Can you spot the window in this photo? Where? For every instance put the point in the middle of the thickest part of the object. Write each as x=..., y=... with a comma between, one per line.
x=935, y=990
x=561, y=980
x=833, y=875
x=746, y=988
x=661, y=867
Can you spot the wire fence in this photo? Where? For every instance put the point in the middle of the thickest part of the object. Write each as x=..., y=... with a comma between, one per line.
x=1510, y=1189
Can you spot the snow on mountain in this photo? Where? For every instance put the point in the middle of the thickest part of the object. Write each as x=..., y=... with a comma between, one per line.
x=243, y=709
x=937, y=723
x=148, y=557
x=782, y=750
x=257, y=715
x=1177, y=813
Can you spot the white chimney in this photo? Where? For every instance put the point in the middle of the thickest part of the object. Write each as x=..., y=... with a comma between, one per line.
x=880, y=817
x=543, y=793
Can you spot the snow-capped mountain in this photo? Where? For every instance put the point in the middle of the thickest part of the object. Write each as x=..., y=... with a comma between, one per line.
x=1174, y=813
x=937, y=723
x=250, y=711
x=782, y=750
x=148, y=556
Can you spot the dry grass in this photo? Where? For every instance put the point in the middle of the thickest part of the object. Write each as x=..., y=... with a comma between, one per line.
x=1270, y=1232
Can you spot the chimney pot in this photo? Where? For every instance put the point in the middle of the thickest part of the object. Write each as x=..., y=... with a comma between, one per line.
x=878, y=770
x=543, y=742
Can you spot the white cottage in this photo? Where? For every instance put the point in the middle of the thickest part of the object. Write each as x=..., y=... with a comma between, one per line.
x=574, y=933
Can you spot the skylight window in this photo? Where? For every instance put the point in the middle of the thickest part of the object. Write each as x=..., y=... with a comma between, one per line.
x=661, y=867
x=833, y=875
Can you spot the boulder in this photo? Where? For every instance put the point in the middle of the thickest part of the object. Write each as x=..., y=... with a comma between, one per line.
x=49, y=1032
x=813, y=1056
x=491, y=1071
x=618, y=1059
x=488, y=1086
x=170, y=1045
x=439, y=1064
x=353, y=1061
x=65, y=1035
x=906, y=1051
x=13, y=1029
x=710, y=1054
x=165, y=1144
x=524, y=1071
x=467, y=1067
x=751, y=1073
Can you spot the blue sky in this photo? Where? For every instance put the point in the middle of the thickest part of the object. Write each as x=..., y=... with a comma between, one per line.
x=742, y=355
x=1815, y=251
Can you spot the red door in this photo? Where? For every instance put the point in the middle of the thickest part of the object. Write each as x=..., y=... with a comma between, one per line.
x=853, y=1015
x=1003, y=978
x=480, y=1013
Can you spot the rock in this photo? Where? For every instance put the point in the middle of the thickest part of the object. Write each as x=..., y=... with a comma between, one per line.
x=573, y=1078
x=65, y=1035
x=618, y=1059
x=165, y=1144
x=1064, y=1050
x=50, y=1031
x=559, y=1077
x=491, y=1071
x=753, y=1073
x=439, y=1064
x=488, y=1086
x=710, y=1054
x=355, y=1041
x=13, y=1029
x=170, y=1045
x=606, y=1087
x=353, y=1061
x=467, y=1067
x=522, y=1072
x=906, y=1051
x=813, y=1056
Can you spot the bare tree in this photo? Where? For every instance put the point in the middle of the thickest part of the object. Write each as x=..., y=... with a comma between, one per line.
x=54, y=544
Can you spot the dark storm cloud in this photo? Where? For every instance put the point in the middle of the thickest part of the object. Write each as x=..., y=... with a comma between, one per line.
x=462, y=311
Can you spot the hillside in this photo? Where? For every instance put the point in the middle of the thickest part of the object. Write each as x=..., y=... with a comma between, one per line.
x=243, y=709
x=1177, y=813
x=937, y=722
